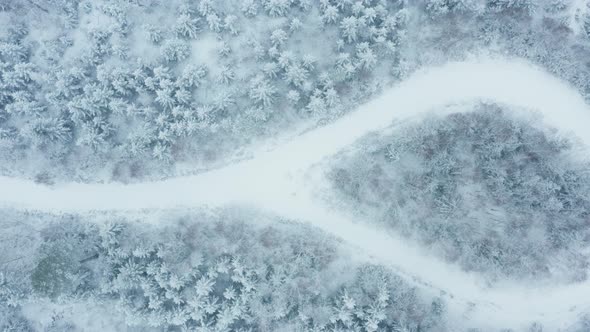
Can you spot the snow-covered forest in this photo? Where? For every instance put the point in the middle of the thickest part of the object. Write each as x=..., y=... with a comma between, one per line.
x=295, y=165
x=218, y=270
x=481, y=188
x=131, y=90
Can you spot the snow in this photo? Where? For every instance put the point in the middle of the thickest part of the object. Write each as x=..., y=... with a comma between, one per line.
x=204, y=51
x=88, y=316
x=4, y=24
x=576, y=10
x=279, y=181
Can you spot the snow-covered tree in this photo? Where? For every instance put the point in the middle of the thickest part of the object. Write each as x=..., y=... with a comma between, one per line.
x=165, y=98
x=230, y=24
x=271, y=69
x=224, y=50
x=250, y=8
x=332, y=98
x=187, y=26
x=183, y=96
x=175, y=50
x=23, y=106
x=47, y=130
x=293, y=96
x=214, y=22
x=192, y=76
x=153, y=33
x=276, y=7
x=295, y=25
x=526, y=6
x=226, y=75
x=366, y=58
x=296, y=75
x=262, y=91
x=351, y=27
x=330, y=15
x=278, y=37
x=317, y=104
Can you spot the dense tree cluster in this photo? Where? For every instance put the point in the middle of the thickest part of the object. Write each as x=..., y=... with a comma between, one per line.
x=107, y=93
x=552, y=33
x=89, y=99
x=211, y=273
x=482, y=189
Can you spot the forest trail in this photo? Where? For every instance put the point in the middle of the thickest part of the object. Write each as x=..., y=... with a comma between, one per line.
x=278, y=181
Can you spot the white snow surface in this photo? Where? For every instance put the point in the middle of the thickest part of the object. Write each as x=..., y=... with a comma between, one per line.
x=279, y=181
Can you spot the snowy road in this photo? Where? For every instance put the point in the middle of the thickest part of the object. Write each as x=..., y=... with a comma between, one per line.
x=277, y=181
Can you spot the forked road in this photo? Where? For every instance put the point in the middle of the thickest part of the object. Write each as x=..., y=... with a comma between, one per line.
x=276, y=180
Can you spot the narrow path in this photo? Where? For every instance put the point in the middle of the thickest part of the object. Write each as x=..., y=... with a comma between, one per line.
x=277, y=181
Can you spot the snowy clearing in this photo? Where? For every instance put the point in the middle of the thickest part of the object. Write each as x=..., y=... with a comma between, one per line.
x=278, y=181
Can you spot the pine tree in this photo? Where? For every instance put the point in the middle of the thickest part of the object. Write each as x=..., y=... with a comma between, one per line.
x=154, y=34
x=296, y=75
x=276, y=7
x=278, y=37
x=293, y=97
x=192, y=77
x=330, y=15
x=295, y=25
x=351, y=27
x=250, y=8
x=437, y=7
x=262, y=91
x=13, y=52
x=49, y=130
x=224, y=100
x=165, y=98
x=187, y=26
x=214, y=22
x=317, y=104
x=226, y=75
x=332, y=98
x=175, y=50
x=24, y=107
x=366, y=58
x=183, y=96
x=230, y=24
x=271, y=69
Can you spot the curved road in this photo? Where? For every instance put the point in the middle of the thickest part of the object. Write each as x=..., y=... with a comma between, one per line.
x=278, y=181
